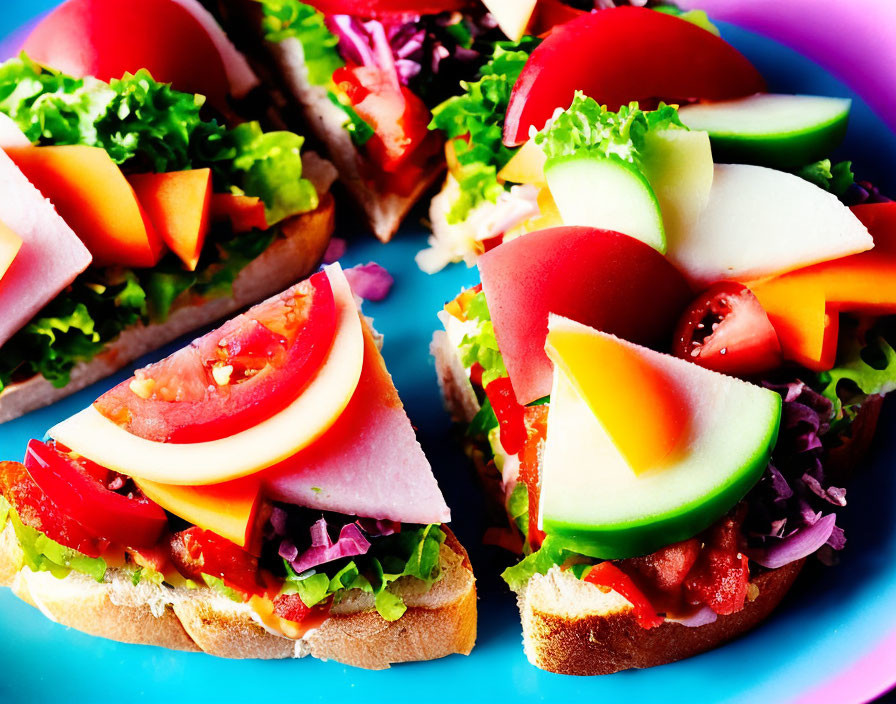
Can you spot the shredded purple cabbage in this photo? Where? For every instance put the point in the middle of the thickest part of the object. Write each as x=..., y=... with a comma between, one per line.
x=792, y=508
x=703, y=616
x=370, y=281
x=864, y=192
x=335, y=250
x=351, y=542
x=411, y=49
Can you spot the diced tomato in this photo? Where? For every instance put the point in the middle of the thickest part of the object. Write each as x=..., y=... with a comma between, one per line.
x=235, y=377
x=668, y=567
x=398, y=118
x=196, y=552
x=727, y=330
x=721, y=575
x=476, y=374
x=291, y=607
x=608, y=576
x=510, y=414
x=36, y=510
x=129, y=520
x=536, y=419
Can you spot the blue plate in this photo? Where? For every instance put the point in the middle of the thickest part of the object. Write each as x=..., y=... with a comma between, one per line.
x=831, y=626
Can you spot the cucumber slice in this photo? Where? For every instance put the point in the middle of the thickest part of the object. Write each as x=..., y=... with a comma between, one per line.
x=783, y=131
x=595, y=503
x=606, y=193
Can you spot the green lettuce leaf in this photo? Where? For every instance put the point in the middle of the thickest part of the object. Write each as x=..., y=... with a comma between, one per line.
x=552, y=552
x=4, y=511
x=218, y=585
x=285, y=19
x=518, y=508
x=474, y=122
x=41, y=554
x=835, y=179
x=586, y=127
x=482, y=346
x=870, y=368
x=410, y=553
x=483, y=422
x=697, y=17
x=355, y=125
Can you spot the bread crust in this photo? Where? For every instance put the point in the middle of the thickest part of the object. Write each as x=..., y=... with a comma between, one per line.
x=383, y=210
x=570, y=627
x=288, y=259
x=438, y=622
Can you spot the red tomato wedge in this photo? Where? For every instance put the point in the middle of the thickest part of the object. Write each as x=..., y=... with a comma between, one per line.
x=244, y=213
x=381, y=8
x=549, y=13
x=727, y=330
x=398, y=117
x=94, y=198
x=233, y=378
x=36, y=510
x=178, y=204
x=108, y=38
x=624, y=54
x=638, y=295
x=80, y=489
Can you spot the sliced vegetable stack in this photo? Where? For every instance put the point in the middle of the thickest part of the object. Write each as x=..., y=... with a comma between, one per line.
x=128, y=205
x=270, y=461
x=665, y=389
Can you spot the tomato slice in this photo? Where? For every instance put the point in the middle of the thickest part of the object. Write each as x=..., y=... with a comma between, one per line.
x=78, y=487
x=721, y=575
x=195, y=552
x=235, y=377
x=380, y=8
x=36, y=510
x=624, y=54
x=726, y=329
x=398, y=117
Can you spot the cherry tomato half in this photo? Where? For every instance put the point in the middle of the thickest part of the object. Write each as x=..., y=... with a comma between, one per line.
x=726, y=329
x=80, y=488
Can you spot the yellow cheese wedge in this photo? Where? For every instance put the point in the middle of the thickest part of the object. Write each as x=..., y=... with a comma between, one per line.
x=526, y=166
x=642, y=412
x=94, y=436
x=227, y=509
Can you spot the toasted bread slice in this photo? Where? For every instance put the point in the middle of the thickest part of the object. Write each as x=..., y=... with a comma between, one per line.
x=383, y=210
x=438, y=622
x=572, y=627
x=289, y=259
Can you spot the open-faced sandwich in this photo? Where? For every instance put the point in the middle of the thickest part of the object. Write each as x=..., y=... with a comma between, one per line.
x=131, y=213
x=665, y=396
x=258, y=494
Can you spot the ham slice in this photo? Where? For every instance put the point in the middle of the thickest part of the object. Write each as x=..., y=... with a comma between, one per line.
x=368, y=463
x=10, y=134
x=51, y=255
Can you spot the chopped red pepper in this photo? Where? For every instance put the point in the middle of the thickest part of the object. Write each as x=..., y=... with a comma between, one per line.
x=476, y=372
x=606, y=575
x=510, y=414
x=536, y=418
x=196, y=552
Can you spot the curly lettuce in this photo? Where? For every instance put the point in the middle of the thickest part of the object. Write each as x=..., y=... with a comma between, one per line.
x=482, y=346
x=410, y=553
x=588, y=128
x=291, y=19
x=474, y=121
x=836, y=178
